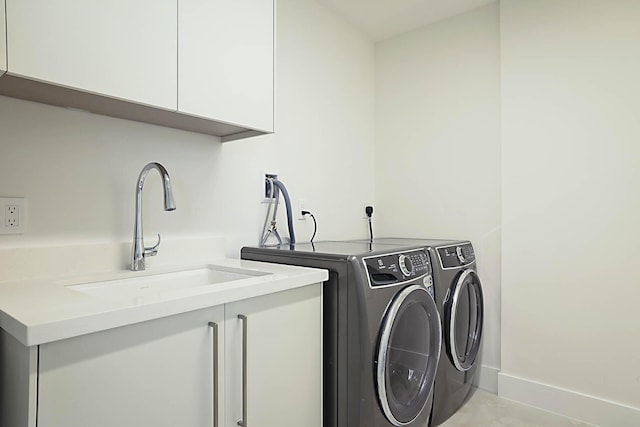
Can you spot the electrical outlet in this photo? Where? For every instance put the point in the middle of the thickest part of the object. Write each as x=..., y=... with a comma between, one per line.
x=13, y=212
x=11, y=216
x=301, y=207
x=364, y=211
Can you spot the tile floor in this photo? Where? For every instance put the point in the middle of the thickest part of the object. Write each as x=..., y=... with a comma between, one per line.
x=488, y=410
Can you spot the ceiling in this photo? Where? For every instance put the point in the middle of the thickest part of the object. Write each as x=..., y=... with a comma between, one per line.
x=383, y=19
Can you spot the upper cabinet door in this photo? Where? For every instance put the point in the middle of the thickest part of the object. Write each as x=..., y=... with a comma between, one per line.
x=118, y=48
x=226, y=54
x=3, y=40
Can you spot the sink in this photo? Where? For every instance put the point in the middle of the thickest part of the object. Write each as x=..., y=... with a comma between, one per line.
x=160, y=286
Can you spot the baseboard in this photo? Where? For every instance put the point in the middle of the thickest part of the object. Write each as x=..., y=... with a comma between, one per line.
x=589, y=409
x=487, y=379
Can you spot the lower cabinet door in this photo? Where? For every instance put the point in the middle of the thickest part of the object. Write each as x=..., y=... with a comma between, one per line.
x=151, y=374
x=273, y=360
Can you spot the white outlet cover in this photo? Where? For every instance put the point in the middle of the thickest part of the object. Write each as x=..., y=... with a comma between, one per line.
x=266, y=172
x=11, y=224
x=301, y=207
x=364, y=210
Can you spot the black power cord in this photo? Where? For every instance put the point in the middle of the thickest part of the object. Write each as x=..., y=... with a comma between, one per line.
x=315, y=224
x=369, y=211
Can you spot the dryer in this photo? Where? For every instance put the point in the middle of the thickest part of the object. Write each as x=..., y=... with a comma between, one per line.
x=382, y=330
x=459, y=297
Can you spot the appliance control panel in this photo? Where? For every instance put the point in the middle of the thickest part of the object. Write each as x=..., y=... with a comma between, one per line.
x=389, y=269
x=457, y=255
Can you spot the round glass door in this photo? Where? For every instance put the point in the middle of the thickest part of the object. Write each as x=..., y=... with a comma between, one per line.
x=464, y=313
x=408, y=354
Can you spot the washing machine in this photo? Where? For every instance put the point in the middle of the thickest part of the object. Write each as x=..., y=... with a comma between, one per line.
x=382, y=330
x=459, y=297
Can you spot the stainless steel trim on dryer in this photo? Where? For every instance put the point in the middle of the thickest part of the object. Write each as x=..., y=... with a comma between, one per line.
x=385, y=338
x=473, y=351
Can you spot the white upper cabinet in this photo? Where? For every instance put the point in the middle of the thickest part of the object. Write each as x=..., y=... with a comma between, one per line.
x=3, y=40
x=226, y=61
x=201, y=65
x=120, y=48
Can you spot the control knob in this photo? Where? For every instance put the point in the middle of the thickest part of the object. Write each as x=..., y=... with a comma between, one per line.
x=461, y=257
x=406, y=266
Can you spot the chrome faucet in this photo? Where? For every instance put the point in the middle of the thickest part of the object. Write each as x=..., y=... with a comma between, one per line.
x=139, y=252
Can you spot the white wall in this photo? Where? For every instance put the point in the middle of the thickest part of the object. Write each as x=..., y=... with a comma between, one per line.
x=78, y=170
x=438, y=145
x=323, y=146
x=571, y=206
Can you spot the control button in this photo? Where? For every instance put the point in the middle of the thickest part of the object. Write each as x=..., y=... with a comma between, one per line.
x=427, y=281
x=406, y=266
x=461, y=257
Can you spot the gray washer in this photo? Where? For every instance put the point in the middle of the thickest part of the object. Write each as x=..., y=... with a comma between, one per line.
x=382, y=330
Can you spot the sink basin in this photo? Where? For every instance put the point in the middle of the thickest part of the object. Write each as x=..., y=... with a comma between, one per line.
x=155, y=287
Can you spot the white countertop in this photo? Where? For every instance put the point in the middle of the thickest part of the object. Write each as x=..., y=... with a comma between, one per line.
x=42, y=310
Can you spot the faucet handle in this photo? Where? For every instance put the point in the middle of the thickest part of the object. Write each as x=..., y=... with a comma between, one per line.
x=152, y=250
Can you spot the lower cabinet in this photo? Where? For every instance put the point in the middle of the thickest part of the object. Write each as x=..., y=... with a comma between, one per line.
x=257, y=361
x=156, y=373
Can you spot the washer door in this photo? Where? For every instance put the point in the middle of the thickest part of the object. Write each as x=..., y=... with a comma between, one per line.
x=408, y=354
x=464, y=314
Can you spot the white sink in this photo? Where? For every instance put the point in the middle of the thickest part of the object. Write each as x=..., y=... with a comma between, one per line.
x=154, y=287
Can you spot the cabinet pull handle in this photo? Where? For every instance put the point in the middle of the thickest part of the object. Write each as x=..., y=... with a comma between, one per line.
x=243, y=421
x=216, y=415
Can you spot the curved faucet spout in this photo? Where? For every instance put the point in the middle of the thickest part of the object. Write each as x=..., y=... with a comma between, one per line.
x=169, y=203
x=139, y=251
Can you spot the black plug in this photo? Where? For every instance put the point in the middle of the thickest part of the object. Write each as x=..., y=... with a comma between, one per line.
x=305, y=212
x=369, y=211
